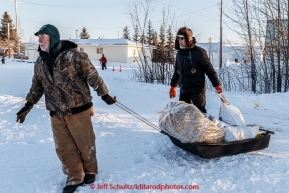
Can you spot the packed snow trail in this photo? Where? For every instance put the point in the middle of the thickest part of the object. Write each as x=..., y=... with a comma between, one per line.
x=131, y=152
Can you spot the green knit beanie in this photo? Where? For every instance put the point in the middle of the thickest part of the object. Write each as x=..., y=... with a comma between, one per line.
x=53, y=32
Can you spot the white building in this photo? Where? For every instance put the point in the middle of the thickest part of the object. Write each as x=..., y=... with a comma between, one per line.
x=230, y=53
x=115, y=50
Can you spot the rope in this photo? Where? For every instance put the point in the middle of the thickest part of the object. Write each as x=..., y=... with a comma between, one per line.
x=137, y=116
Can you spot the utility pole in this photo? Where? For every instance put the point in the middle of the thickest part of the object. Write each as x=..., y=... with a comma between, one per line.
x=8, y=24
x=221, y=36
x=8, y=37
x=279, y=78
x=210, y=46
x=76, y=35
x=17, y=26
x=287, y=55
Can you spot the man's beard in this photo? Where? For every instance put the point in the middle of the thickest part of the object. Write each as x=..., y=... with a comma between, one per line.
x=43, y=48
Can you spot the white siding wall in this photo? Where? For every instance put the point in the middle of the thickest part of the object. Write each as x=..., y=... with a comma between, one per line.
x=90, y=50
x=137, y=51
x=115, y=53
x=32, y=52
x=131, y=53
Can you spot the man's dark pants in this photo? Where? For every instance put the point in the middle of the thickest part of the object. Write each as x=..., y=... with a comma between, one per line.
x=198, y=99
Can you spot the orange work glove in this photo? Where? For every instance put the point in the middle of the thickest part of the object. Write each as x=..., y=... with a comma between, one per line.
x=173, y=92
x=218, y=89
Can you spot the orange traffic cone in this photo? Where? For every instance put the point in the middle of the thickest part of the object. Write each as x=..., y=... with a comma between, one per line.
x=113, y=68
x=120, y=68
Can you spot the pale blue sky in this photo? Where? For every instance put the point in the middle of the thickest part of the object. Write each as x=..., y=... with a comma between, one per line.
x=107, y=18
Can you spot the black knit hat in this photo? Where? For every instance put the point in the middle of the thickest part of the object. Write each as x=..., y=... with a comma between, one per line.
x=52, y=31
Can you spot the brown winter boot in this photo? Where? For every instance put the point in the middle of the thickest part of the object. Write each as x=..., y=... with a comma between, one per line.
x=89, y=178
x=71, y=188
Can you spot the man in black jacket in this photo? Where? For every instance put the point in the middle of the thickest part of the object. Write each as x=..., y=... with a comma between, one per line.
x=192, y=63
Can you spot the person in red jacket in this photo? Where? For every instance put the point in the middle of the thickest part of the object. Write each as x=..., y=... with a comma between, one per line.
x=103, y=62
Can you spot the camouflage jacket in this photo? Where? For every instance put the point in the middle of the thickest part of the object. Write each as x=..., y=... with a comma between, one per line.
x=68, y=88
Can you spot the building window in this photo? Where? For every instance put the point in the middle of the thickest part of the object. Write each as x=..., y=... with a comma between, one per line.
x=99, y=50
x=272, y=28
x=134, y=52
x=81, y=49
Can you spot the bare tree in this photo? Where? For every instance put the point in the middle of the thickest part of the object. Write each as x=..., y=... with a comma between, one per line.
x=151, y=58
x=150, y=34
x=261, y=26
x=251, y=47
x=135, y=34
x=139, y=12
x=287, y=54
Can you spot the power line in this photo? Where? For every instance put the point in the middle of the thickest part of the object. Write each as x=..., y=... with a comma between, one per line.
x=65, y=6
x=204, y=22
x=69, y=27
x=194, y=12
x=199, y=10
x=127, y=25
x=90, y=6
x=186, y=10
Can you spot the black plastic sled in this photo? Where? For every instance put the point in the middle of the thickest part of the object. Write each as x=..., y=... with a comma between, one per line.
x=213, y=150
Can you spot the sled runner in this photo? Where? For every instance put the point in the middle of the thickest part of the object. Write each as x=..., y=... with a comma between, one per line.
x=212, y=150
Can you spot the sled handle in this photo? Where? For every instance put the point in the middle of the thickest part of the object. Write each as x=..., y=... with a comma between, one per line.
x=270, y=132
x=223, y=99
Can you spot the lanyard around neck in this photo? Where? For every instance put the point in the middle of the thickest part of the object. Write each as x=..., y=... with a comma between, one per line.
x=193, y=70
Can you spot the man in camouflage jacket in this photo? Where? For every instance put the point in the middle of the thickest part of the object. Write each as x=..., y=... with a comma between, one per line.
x=63, y=74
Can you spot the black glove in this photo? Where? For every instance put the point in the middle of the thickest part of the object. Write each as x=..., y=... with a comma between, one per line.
x=108, y=99
x=23, y=112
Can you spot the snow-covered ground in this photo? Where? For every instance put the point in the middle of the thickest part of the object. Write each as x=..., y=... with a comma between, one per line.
x=130, y=152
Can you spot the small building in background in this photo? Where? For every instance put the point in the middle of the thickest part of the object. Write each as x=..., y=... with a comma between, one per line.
x=276, y=40
x=30, y=50
x=231, y=53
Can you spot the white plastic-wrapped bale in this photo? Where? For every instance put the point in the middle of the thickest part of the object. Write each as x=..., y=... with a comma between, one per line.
x=188, y=124
x=233, y=133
